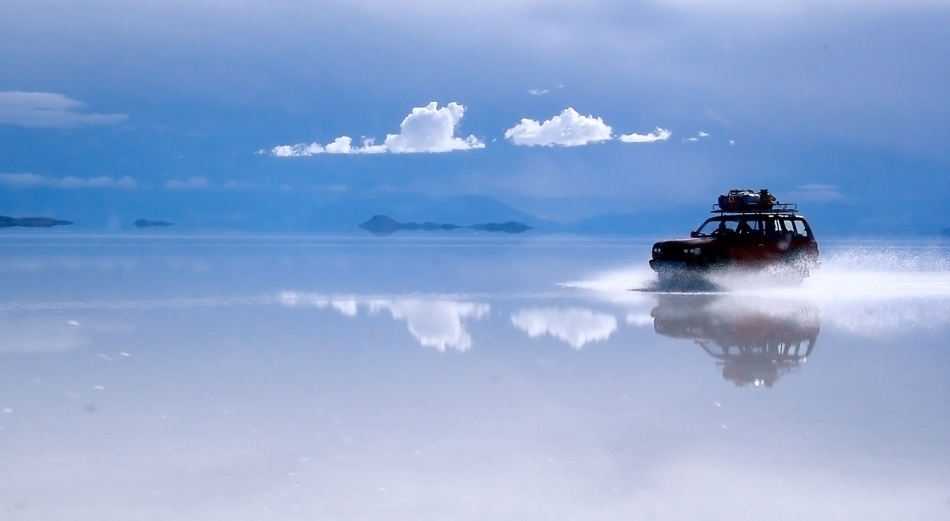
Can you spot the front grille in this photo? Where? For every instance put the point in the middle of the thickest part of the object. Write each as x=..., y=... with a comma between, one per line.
x=669, y=252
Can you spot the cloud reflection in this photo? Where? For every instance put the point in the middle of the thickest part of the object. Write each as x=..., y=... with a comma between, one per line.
x=346, y=306
x=435, y=323
x=574, y=326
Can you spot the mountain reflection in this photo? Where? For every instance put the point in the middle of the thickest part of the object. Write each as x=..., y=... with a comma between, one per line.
x=753, y=342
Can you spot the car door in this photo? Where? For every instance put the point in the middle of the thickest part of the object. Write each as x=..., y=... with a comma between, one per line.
x=748, y=246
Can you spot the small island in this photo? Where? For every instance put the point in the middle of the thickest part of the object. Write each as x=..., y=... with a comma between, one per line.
x=145, y=223
x=386, y=225
x=31, y=222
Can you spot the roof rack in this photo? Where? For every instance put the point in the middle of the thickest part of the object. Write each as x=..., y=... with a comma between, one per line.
x=775, y=208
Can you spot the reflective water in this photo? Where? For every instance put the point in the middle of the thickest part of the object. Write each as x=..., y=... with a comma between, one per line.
x=161, y=377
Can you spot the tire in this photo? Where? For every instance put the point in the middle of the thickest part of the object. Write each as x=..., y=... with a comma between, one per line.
x=795, y=266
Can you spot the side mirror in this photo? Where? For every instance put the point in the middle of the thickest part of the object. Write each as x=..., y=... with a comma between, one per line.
x=694, y=234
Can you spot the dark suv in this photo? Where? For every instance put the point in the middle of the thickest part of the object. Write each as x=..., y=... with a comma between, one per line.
x=757, y=234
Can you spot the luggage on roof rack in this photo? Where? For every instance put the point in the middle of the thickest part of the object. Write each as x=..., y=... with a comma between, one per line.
x=746, y=200
x=750, y=201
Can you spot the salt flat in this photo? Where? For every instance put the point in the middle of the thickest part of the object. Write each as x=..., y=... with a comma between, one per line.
x=296, y=377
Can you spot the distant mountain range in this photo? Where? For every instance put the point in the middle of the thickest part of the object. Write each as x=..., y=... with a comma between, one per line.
x=386, y=225
x=276, y=211
x=145, y=223
x=30, y=222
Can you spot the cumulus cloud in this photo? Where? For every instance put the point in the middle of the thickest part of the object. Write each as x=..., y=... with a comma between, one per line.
x=27, y=180
x=425, y=129
x=435, y=323
x=568, y=129
x=49, y=110
x=194, y=183
x=658, y=135
x=574, y=326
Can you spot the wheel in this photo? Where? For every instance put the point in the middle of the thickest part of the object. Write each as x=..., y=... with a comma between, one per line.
x=795, y=266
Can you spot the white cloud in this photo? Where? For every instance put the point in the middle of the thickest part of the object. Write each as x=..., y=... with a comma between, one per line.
x=33, y=180
x=425, y=129
x=816, y=193
x=574, y=326
x=658, y=135
x=542, y=92
x=566, y=129
x=49, y=110
x=435, y=323
x=194, y=183
x=697, y=137
x=299, y=150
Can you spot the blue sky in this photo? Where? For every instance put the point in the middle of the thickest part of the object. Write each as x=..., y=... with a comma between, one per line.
x=828, y=103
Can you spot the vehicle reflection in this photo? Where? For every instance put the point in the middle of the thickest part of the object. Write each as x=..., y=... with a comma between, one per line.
x=753, y=342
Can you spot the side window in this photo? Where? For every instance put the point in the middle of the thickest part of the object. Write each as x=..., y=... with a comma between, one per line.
x=788, y=226
x=801, y=228
x=795, y=227
x=728, y=225
x=745, y=227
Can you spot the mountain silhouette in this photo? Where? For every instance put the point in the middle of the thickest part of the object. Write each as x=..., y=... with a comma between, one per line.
x=30, y=222
x=386, y=225
x=145, y=223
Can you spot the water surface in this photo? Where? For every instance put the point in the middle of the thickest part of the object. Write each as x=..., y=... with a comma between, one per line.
x=294, y=377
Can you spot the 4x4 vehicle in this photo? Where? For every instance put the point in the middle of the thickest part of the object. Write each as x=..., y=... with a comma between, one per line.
x=749, y=230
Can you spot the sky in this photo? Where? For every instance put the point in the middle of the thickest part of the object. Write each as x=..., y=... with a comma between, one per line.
x=564, y=110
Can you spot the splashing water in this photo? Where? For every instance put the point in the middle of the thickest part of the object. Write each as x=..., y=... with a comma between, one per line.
x=865, y=289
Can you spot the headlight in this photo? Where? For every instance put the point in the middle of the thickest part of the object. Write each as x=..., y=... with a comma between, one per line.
x=692, y=251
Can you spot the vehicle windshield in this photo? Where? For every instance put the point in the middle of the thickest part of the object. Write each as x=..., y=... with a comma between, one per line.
x=718, y=226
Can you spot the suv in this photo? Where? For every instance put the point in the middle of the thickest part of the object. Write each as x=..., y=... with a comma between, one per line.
x=749, y=230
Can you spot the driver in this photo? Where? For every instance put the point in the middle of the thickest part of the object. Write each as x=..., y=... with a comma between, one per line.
x=723, y=229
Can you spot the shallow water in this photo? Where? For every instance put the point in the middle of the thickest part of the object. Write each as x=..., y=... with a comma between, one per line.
x=294, y=377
